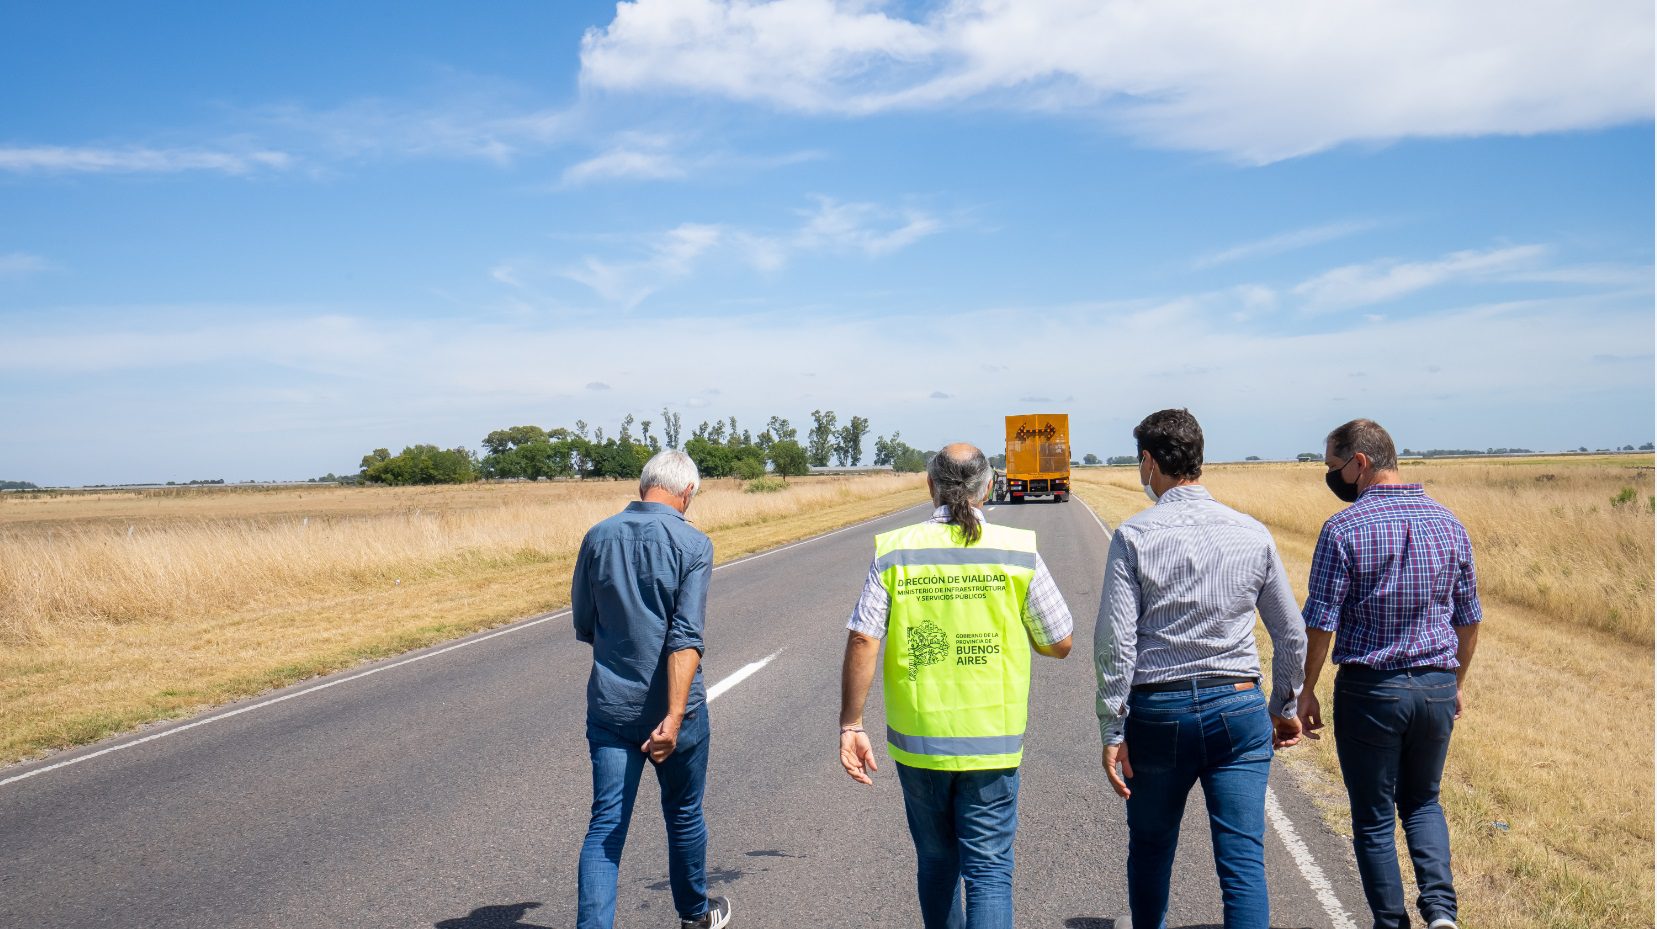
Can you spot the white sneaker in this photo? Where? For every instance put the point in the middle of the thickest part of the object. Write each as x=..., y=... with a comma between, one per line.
x=1442, y=923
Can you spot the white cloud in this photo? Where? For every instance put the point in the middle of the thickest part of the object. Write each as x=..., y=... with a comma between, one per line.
x=1283, y=242
x=866, y=227
x=1360, y=285
x=468, y=124
x=138, y=160
x=22, y=264
x=1259, y=81
x=831, y=226
x=624, y=163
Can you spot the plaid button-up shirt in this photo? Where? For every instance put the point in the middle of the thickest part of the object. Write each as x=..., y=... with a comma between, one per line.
x=1046, y=615
x=1392, y=574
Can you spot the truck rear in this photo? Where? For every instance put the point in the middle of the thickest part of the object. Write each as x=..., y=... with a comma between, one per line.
x=1038, y=457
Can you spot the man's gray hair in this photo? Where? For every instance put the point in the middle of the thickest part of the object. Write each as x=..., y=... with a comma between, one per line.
x=961, y=477
x=672, y=471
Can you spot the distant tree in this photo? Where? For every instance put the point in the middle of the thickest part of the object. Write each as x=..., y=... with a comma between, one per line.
x=821, y=441
x=788, y=459
x=420, y=464
x=848, y=441
x=1122, y=460
x=1252, y=458
x=670, y=428
x=1648, y=447
x=781, y=431
x=999, y=460
x=1090, y=459
x=1582, y=448
x=581, y=428
x=18, y=485
x=1308, y=456
x=911, y=460
x=884, y=448
x=748, y=469
x=712, y=458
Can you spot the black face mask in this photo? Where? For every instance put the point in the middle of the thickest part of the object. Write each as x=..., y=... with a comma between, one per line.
x=1346, y=490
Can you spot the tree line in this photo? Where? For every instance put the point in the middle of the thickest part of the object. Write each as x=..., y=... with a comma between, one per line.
x=720, y=448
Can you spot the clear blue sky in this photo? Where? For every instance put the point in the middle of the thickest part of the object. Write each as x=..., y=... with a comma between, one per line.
x=255, y=242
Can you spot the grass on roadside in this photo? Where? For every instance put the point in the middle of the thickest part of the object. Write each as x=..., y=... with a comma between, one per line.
x=1557, y=742
x=208, y=600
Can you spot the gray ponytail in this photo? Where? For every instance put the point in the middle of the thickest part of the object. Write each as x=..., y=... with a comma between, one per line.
x=960, y=483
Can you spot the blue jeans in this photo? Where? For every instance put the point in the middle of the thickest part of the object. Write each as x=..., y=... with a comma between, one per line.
x=617, y=766
x=963, y=824
x=1392, y=732
x=1222, y=738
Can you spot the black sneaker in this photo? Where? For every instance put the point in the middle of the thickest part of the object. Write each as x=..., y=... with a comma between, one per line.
x=717, y=917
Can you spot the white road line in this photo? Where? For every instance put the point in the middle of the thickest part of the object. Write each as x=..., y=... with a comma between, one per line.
x=718, y=688
x=741, y=674
x=1308, y=864
x=1285, y=827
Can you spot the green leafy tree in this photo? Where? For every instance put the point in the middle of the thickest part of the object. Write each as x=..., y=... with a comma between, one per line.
x=1090, y=458
x=421, y=464
x=781, y=431
x=848, y=442
x=670, y=428
x=788, y=459
x=749, y=469
x=713, y=459
x=911, y=460
x=821, y=440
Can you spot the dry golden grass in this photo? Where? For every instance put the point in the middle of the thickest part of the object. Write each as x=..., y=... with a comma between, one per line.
x=214, y=595
x=1557, y=740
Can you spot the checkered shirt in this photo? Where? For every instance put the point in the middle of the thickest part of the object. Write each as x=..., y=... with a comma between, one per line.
x=1391, y=576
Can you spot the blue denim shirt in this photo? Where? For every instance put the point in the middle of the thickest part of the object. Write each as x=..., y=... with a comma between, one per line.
x=640, y=593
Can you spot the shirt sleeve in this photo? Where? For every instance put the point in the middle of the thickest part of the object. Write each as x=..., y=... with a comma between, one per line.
x=873, y=606
x=583, y=609
x=1465, y=598
x=1046, y=615
x=1331, y=578
x=1288, y=634
x=690, y=608
x=1116, y=639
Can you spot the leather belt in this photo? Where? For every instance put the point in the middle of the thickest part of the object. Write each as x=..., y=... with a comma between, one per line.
x=1197, y=683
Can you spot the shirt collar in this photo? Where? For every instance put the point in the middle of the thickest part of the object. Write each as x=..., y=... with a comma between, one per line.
x=941, y=514
x=645, y=506
x=1394, y=490
x=1185, y=492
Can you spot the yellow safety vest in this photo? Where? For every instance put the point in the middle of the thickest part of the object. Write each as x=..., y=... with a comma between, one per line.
x=957, y=665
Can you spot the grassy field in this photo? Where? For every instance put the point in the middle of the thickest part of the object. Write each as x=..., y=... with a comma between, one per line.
x=1556, y=745
x=121, y=608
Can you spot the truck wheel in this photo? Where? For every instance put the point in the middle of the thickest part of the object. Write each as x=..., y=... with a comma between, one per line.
x=1063, y=497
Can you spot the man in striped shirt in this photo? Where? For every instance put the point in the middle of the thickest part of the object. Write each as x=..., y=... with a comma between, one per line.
x=1179, y=676
x=1393, y=585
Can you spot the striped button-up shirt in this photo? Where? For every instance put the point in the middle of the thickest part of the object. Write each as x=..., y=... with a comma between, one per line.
x=1391, y=575
x=1182, y=583
x=1046, y=615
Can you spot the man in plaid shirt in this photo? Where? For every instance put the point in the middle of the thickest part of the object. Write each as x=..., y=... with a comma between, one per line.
x=1393, y=585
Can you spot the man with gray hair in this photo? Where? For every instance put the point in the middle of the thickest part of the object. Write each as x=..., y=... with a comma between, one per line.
x=639, y=597
x=961, y=604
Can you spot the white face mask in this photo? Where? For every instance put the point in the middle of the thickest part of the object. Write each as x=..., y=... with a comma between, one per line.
x=1150, y=493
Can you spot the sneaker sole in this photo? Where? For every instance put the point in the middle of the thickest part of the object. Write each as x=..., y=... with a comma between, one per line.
x=722, y=923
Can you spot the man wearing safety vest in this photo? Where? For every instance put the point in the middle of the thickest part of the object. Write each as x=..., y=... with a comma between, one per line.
x=961, y=604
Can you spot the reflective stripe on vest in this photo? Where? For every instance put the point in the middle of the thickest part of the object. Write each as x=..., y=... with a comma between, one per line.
x=957, y=658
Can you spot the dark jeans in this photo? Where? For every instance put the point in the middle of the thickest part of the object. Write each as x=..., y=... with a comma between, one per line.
x=1220, y=737
x=1392, y=731
x=963, y=824
x=617, y=765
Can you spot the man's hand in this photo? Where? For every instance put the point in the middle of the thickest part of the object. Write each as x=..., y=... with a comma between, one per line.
x=663, y=740
x=1114, y=755
x=857, y=756
x=1458, y=703
x=1311, y=714
x=1285, y=731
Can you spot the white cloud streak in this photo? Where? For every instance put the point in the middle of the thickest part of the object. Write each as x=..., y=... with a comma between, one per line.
x=22, y=264
x=1283, y=242
x=1360, y=285
x=1258, y=82
x=51, y=159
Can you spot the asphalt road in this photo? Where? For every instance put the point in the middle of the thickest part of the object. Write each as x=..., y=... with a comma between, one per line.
x=451, y=791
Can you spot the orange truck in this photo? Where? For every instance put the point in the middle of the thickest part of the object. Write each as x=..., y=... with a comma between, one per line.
x=1038, y=457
